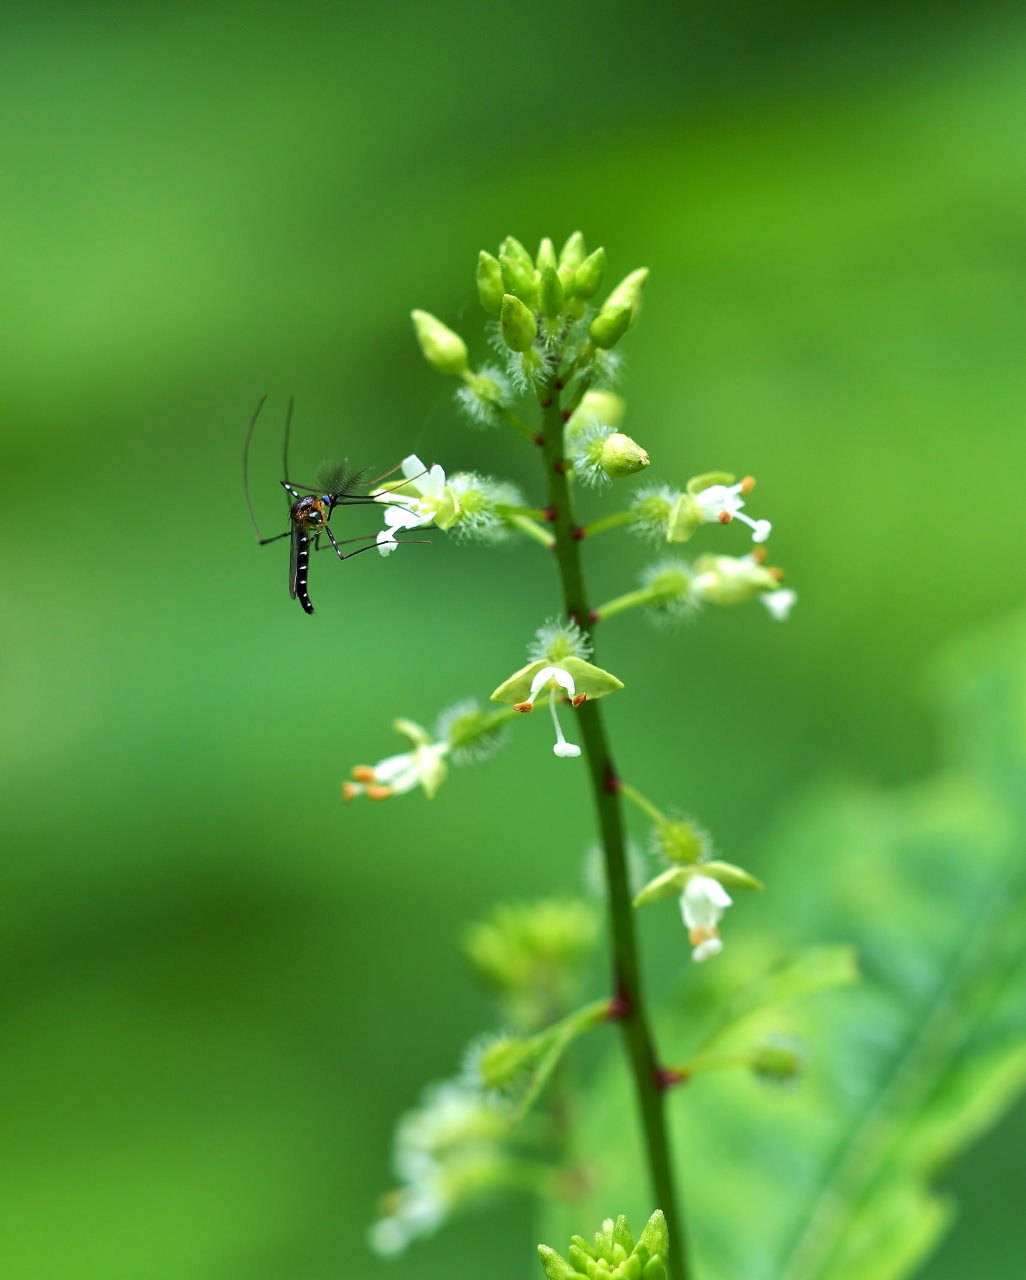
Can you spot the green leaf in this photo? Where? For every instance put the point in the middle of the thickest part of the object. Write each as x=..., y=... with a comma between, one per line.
x=833, y=1180
x=815, y=969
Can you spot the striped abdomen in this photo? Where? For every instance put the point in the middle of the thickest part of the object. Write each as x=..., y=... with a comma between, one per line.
x=300, y=566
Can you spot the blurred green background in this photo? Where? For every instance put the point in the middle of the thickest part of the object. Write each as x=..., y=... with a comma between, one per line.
x=220, y=986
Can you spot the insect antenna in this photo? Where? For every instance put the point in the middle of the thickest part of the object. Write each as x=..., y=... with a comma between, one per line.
x=245, y=466
x=288, y=434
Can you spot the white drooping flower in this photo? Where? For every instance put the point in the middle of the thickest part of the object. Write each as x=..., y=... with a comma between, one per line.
x=553, y=678
x=723, y=503
x=702, y=903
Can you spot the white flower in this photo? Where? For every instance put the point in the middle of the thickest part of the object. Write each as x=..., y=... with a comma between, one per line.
x=424, y=766
x=779, y=603
x=456, y=1126
x=702, y=903
x=553, y=678
x=411, y=510
x=723, y=503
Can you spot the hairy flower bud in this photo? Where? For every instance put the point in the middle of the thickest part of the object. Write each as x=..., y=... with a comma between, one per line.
x=444, y=350
x=552, y=299
x=573, y=252
x=588, y=276
x=545, y=259
x=622, y=456
x=518, y=324
x=628, y=292
x=489, y=283
x=519, y=278
x=610, y=325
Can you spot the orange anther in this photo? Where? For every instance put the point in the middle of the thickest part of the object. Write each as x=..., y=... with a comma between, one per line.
x=378, y=793
x=747, y=484
x=724, y=517
x=577, y=699
x=349, y=790
x=363, y=773
x=523, y=706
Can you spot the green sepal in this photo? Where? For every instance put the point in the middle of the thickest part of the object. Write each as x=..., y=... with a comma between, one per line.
x=449, y=510
x=655, y=1237
x=610, y=325
x=417, y=734
x=667, y=884
x=674, y=880
x=697, y=483
x=587, y=679
x=683, y=520
x=519, y=279
x=518, y=324
x=588, y=276
x=552, y=299
x=546, y=259
x=730, y=876
x=489, y=282
x=556, y=1266
x=655, y=1269
x=573, y=252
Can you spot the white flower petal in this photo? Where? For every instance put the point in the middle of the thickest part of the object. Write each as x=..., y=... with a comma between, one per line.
x=718, y=500
x=779, y=603
x=412, y=466
x=402, y=518
x=703, y=901
x=563, y=678
x=433, y=484
x=386, y=543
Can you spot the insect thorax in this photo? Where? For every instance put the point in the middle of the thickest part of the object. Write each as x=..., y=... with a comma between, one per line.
x=311, y=510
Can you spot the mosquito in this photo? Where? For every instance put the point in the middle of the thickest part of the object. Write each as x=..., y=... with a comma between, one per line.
x=310, y=510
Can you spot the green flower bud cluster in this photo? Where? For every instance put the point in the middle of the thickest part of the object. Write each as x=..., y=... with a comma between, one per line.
x=613, y=1255
x=532, y=956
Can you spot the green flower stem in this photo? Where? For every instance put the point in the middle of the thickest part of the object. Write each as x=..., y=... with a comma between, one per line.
x=605, y=788
x=519, y=425
x=711, y=1062
x=532, y=513
x=646, y=806
x=608, y=522
x=533, y=530
x=631, y=600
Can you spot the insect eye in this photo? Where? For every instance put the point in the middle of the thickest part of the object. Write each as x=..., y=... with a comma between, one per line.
x=314, y=517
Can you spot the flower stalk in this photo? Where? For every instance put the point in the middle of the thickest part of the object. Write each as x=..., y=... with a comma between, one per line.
x=605, y=788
